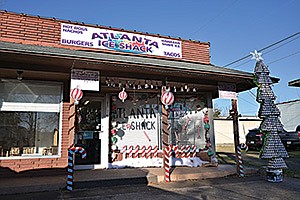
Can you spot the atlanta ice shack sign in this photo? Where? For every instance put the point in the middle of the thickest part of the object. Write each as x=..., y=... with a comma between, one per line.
x=227, y=90
x=85, y=79
x=91, y=37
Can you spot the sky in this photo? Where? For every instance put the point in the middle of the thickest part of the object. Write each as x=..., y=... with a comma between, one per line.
x=234, y=28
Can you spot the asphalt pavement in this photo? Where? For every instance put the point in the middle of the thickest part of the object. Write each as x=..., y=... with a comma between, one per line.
x=47, y=181
x=54, y=181
x=253, y=186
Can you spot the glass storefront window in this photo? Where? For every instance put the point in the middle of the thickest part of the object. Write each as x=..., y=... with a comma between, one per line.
x=135, y=121
x=186, y=121
x=30, y=115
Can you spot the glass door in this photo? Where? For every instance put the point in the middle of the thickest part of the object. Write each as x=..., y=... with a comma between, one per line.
x=88, y=132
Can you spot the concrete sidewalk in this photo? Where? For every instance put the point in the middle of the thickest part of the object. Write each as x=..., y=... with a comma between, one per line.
x=110, y=177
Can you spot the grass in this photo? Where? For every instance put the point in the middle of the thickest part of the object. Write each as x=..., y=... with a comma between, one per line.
x=226, y=155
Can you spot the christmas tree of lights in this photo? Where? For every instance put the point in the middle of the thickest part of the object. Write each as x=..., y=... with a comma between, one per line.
x=273, y=149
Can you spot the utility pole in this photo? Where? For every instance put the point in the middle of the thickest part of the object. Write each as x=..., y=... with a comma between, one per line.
x=234, y=115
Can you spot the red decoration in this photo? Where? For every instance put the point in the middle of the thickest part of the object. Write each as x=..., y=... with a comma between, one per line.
x=76, y=94
x=206, y=119
x=113, y=131
x=167, y=98
x=123, y=95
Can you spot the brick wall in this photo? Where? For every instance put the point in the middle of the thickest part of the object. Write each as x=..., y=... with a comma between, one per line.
x=24, y=164
x=20, y=28
x=34, y=30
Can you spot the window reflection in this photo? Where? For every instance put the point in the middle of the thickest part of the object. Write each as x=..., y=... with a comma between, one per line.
x=29, y=113
x=25, y=133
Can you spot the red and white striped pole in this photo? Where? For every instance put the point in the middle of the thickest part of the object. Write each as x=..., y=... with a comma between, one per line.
x=167, y=163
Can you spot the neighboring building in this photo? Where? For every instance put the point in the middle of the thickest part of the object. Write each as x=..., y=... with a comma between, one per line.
x=42, y=59
x=224, y=129
x=290, y=110
x=294, y=83
x=290, y=114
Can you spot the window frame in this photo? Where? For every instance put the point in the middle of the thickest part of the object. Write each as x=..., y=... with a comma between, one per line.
x=37, y=107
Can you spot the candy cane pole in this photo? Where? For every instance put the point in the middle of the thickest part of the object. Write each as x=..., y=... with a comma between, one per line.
x=165, y=137
x=167, y=163
x=240, y=162
x=71, y=153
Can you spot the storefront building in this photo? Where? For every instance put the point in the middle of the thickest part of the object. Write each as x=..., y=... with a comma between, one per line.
x=43, y=59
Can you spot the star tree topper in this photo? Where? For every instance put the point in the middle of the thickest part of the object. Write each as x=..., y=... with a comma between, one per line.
x=256, y=56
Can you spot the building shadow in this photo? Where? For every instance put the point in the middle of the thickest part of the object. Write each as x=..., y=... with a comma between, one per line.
x=6, y=172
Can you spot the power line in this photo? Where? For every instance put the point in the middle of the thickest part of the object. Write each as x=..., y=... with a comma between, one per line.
x=279, y=41
x=248, y=101
x=243, y=58
x=212, y=19
x=252, y=95
x=281, y=45
x=241, y=64
x=284, y=57
x=266, y=13
x=268, y=51
x=267, y=47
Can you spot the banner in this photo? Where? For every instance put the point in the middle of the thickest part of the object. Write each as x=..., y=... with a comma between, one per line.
x=84, y=36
